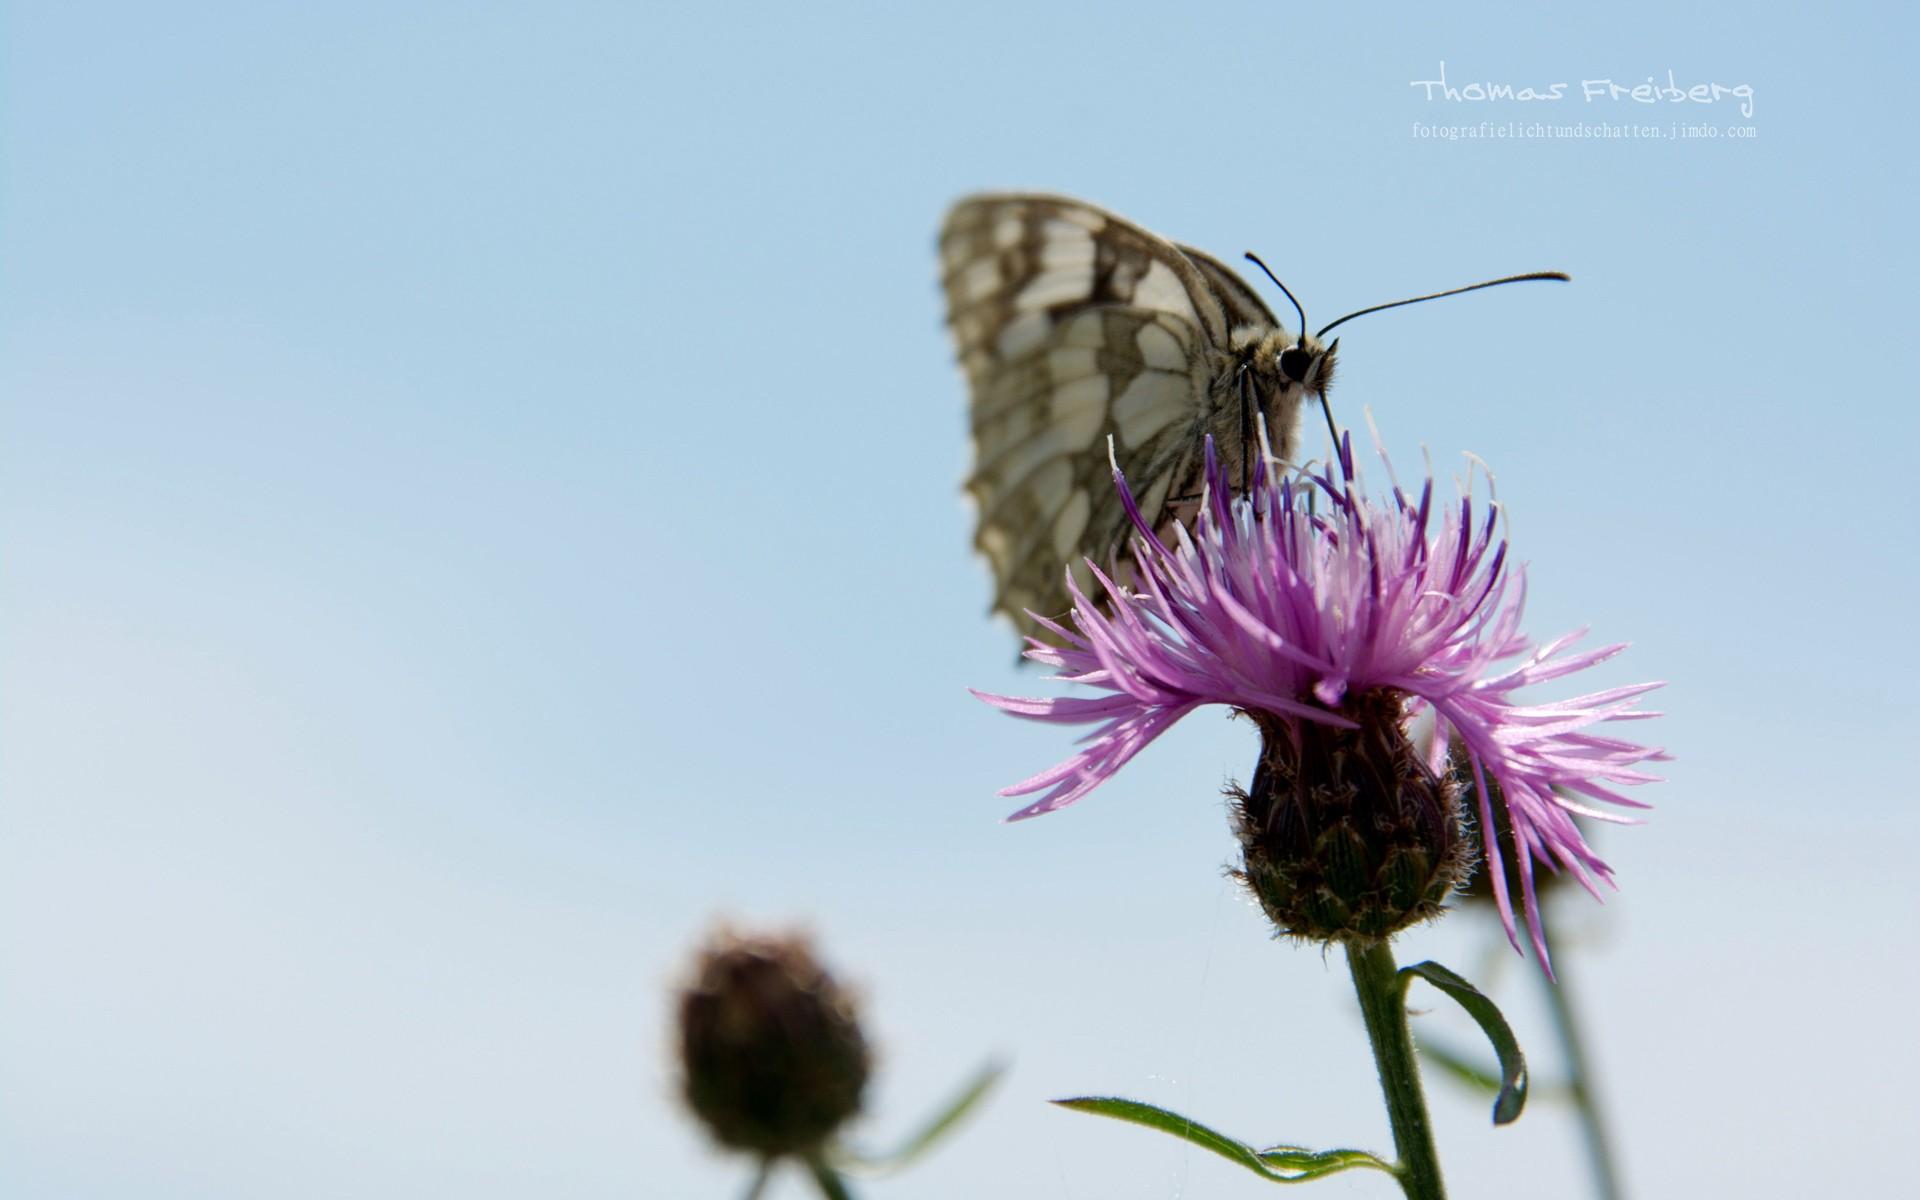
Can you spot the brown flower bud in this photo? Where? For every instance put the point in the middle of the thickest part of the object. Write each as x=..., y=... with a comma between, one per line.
x=772, y=1050
x=1345, y=834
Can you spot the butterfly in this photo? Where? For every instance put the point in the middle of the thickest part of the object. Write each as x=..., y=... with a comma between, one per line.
x=1090, y=343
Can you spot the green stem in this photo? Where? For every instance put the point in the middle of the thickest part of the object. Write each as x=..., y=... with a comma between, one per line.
x=760, y=1180
x=1383, y=991
x=831, y=1185
x=1566, y=1023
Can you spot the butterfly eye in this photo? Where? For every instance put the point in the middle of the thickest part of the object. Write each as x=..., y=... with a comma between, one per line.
x=1295, y=364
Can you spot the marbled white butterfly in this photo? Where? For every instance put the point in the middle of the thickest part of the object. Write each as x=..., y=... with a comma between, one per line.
x=1075, y=327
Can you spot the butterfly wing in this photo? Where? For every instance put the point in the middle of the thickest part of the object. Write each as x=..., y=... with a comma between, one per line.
x=1074, y=326
x=1243, y=305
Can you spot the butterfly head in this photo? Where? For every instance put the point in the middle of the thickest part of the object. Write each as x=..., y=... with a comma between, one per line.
x=1294, y=365
x=1289, y=365
x=1275, y=373
x=1307, y=364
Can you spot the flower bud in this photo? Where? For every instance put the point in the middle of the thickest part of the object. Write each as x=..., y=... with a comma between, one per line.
x=1346, y=836
x=772, y=1050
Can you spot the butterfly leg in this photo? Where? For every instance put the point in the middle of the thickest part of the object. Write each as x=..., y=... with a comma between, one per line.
x=1332, y=430
x=1247, y=434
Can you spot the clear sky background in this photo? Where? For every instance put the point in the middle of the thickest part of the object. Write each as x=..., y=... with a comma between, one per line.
x=479, y=494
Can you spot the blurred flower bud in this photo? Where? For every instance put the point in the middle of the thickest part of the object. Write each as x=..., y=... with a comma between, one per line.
x=772, y=1050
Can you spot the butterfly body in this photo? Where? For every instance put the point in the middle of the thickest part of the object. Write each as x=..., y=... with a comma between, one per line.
x=1077, y=331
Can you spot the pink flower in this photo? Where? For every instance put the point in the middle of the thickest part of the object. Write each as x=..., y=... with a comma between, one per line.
x=1289, y=601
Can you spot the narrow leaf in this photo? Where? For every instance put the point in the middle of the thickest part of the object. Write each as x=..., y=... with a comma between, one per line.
x=1512, y=1095
x=1314, y=1163
x=1281, y=1164
x=1463, y=1069
x=1480, y=1078
x=936, y=1127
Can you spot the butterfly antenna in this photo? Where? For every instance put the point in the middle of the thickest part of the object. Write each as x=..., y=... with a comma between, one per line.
x=1255, y=260
x=1560, y=276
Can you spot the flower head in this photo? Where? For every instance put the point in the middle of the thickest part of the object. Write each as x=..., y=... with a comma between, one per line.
x=771, y=1045
x=1302, y=604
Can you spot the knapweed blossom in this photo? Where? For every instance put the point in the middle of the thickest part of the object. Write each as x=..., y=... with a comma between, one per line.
x=1332, y=620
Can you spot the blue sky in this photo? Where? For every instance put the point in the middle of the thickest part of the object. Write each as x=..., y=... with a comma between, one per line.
x=480, y=499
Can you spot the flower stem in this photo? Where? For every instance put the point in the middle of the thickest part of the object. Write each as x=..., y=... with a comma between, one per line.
x=1566, y=1023
x=759, y=1183
x=1382, y=993
x=831, y=1185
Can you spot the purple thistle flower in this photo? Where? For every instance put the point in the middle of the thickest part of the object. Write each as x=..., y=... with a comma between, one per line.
x=1302, y=596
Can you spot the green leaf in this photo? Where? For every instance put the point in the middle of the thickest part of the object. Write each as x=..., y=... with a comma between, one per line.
x=936, y=1127
x=1463, y=1069
x=1281, y=1164
x=1480, y=1078
x=1512, y=1095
